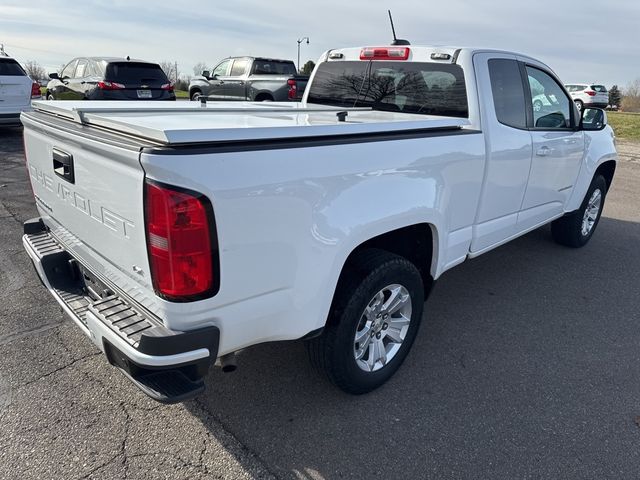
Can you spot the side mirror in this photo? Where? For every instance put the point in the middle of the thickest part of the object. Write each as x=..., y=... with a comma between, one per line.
x=205, y=73
x=54, y=76
x=593, y=119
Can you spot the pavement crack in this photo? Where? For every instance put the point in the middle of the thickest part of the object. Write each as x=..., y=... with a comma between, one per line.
x=125, y=437
x=244, y=448
x=59, y=369
x=99, y=467
x=12, y=337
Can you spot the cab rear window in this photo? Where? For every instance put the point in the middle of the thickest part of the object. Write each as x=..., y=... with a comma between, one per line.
x=273, y=67
x=408, y=87
x=9, y=67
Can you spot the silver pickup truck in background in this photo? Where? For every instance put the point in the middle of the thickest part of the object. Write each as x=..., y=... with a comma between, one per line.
x=250, y=78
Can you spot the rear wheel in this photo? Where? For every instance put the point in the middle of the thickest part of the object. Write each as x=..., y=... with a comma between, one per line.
x=575, y=229
x=50, y=96
x=579, y=104
x=195, y=95
x=263, y=97
x=537, y=106
x=373, y=322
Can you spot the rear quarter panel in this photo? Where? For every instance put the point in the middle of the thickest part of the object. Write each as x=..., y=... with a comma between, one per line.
x=287, y=219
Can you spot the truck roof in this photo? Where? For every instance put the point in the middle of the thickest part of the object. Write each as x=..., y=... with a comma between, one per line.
x=421, y=53
x=190, y=122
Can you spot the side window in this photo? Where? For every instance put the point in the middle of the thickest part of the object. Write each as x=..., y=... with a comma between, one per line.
x=81, y=68
x=221, y=69
x=551, y=106
x=239, y=66
x=508, y=92
x=69, y=70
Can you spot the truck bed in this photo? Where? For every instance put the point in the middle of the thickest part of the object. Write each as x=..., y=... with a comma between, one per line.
x=172, y=124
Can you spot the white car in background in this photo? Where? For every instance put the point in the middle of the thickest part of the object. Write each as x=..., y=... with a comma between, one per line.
x=16, y=90
x=590, y=95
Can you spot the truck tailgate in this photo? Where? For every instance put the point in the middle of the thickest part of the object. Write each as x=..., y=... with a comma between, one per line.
x=90, y=194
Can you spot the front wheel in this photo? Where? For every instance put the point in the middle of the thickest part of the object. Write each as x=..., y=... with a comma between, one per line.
x=373, y=322
x=575, y=229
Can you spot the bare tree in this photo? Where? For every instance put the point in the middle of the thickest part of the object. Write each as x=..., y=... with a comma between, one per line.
x=35, y=70
x=631, y=97
x=198, y=68
x=170, y=69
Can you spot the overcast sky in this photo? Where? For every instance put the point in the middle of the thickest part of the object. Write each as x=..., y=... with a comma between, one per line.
x=583, y=41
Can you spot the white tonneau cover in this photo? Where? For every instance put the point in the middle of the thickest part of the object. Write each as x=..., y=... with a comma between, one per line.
x=191, y=122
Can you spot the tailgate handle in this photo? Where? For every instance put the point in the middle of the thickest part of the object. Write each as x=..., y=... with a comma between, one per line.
x=63, y=165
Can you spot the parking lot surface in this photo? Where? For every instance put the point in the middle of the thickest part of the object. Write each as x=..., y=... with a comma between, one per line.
x=527, y=365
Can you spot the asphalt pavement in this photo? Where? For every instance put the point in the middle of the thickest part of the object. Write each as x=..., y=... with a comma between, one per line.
x=527, y=365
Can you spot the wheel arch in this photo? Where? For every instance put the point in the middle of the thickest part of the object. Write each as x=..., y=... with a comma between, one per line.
x=263, y=96
x=418, y=243
x=607, y=170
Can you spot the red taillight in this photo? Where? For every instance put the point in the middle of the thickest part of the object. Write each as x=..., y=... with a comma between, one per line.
x=293, y=89
x=384, y=53
x=591, y=93
x=110, y=85
x=35, y=90
x=179, y=240
x=168, y=87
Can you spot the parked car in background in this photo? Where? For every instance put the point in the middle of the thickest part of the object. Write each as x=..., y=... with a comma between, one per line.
x=590, y=95
x=16, y=90
x=110, y=78
x=249, y=78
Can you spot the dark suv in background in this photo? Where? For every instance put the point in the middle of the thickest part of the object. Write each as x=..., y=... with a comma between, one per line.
x=99, y=78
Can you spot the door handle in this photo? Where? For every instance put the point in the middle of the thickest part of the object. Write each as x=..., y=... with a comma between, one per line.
x=63, y=165
x=544, y=151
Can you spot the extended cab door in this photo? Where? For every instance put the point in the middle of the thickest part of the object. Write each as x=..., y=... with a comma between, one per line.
x=218, y=79
x=558, y=148
x=508, y=149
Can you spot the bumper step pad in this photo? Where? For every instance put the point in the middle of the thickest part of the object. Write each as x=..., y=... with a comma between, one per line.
x=134, y=329
x=168, y=386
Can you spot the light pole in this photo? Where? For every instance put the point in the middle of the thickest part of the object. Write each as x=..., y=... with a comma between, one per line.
x=300, y=40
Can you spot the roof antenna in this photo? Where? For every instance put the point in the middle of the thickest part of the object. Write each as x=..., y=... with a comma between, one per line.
x=396, y=41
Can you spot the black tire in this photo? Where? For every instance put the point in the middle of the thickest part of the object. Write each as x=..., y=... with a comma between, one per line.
x=50, y=96
x=195, y=95
x=332, y=353
x=568, y=230
x=579, y=104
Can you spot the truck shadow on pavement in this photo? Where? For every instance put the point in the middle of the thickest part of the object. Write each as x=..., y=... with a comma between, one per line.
x=526, y=361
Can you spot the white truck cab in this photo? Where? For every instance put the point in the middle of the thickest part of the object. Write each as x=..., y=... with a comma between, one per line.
x=177, y=235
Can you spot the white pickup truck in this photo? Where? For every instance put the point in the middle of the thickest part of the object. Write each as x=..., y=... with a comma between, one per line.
x=177, y=235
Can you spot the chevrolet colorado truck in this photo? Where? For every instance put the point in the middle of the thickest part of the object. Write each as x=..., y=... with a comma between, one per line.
x=176, y=235
x=250, y=78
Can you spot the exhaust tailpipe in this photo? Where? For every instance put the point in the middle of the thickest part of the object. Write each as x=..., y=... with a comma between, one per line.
x=229, y=362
